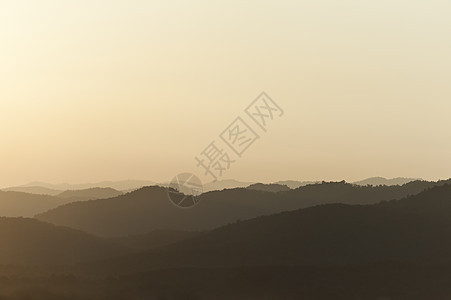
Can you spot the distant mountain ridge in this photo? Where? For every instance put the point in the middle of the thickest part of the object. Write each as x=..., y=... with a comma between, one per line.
x=90, y=194
x=37, y=190
x=384, y=181
x=131, y=185
x=273, y=187
x=21, y=204
x=294, y=184
x=149, y=208
x=225, y=184
x=121, y=185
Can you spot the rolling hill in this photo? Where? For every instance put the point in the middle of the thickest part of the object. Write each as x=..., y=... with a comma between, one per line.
x=384, y=181
x=273, y=187
x=90, y=194
x=31, y=242
x=121, y=185
x=414, y=230
x=149, y=209
x=38, y=190
x=153, y=239
x=19, y=204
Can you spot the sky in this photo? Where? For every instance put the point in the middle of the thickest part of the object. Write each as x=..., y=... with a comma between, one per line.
x=109, y=90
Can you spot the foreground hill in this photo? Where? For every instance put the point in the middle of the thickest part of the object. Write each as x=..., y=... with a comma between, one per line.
x=415, y=230
x=28, y=241
x=149, y=208
x=153, y=239
x=366, y=282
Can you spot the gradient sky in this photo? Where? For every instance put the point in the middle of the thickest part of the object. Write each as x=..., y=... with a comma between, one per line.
x=108, y=90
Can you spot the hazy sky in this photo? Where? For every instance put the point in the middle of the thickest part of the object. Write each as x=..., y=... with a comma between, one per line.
x=107, y=90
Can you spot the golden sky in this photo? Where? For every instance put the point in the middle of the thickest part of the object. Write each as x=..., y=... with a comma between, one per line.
x=108, y=90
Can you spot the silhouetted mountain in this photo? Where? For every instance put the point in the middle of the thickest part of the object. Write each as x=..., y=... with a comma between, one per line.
x=18, y=204
x=225, y=184
x=149, y=208
x=122, y=185
x=274, y=188
x=38, y=190
x=29, y=241
x=90, y=194
x=399, y=249
x=293, y=184
x=412, y=230
x=384, y=181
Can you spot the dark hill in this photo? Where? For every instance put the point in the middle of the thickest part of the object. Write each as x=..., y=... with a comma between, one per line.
x=413, y=230
x=153, y=239
x=28, y=241
x=149, y=209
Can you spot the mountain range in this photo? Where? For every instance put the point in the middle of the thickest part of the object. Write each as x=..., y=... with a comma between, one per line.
x=344, y=242
x=149, y=208
x=413, y=230
x=21, y=204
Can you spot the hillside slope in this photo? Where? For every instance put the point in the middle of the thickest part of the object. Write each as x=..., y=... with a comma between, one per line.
x=28, y=241
x=149, y=208
x=413, y=230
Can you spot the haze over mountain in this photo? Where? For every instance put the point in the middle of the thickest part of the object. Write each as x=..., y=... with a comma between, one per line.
x=149, y=208
x=19, y=204
x=225, y=184
x=384, y=181
x=37, y=190
x=90, y=194
x=122, y=185
x=294, y=184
